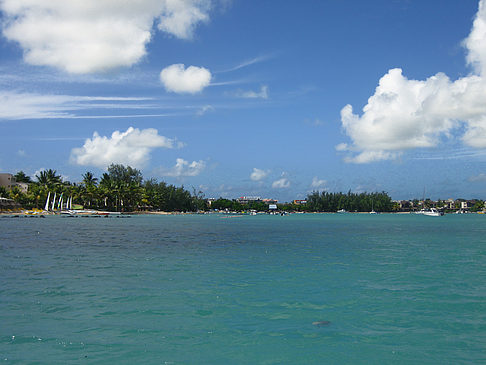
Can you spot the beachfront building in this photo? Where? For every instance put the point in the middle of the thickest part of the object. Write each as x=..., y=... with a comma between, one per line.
x=270, y=201
x=9, y=205
x=248, y=199
x=8, y=182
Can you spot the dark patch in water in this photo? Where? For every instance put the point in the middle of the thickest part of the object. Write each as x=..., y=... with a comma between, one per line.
x=321, y=323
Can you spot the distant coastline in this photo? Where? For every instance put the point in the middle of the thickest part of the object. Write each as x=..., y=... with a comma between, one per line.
x=123, y=189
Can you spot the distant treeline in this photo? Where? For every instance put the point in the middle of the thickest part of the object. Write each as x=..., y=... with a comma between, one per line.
x=351, y=202
x=318, y=202
x=124, y=189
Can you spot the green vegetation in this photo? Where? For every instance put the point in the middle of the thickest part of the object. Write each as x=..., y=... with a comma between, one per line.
x=124, y=189
x=119, y=189
x=351, y=202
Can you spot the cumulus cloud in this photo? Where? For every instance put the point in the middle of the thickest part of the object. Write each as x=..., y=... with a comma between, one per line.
x=184, y=168
x=258, y=174
x=404, y=114
x=180, y=17
x=84, y=36
x=176, y=78
x=131, y=147
x=262, y=94
x=282, y=183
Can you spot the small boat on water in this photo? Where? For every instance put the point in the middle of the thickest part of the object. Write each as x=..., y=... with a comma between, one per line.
x=69, y=213
x=432, y=212
x=342, y=211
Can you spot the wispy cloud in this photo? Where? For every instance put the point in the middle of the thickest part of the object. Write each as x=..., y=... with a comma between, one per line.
x=282, y=183
x=258, y=174
x=183, y=168
x=18, y=106
x=478, y=178
x=318, y=184
x=204, y=109
x=121, y=116
x=450, y=154
x=250, y=94
x=248, y=63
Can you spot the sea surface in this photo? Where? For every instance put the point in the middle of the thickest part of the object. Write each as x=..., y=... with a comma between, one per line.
x=213, y=289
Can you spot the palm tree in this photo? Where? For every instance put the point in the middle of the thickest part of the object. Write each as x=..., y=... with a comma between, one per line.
x=22, y=177
x=49, y=178
x=89, y=179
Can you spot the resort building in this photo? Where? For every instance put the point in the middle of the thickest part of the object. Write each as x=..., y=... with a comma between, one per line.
x=8, y=182
x=248, y=199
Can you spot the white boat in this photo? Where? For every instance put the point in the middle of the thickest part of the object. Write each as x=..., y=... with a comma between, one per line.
x=342, y=211
x=69, y=213
x=372, y=210
x=432, y=212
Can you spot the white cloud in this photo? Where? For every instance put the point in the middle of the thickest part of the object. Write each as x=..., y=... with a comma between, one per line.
x=204, y=110
x=176, y=78
x=184, y=168
x=248, y=63
x=476, y=41
x=282, y=183
x=180, y=17
x=16, y=105
x=406, y=114
x=262, y=94
x=478, y=178
x=21, y=153
x=258, y=174
x=32, y=106
x=318, y=184
x=84, y=36
x=131, y=147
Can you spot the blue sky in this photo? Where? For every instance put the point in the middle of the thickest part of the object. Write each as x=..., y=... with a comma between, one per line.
x=238, y=98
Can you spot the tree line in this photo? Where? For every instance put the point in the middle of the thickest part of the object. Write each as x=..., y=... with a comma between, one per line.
x=318, y=202
x=351, y=202
x=121, y=188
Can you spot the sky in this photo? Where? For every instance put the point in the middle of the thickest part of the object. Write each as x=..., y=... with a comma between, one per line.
x=250, y=98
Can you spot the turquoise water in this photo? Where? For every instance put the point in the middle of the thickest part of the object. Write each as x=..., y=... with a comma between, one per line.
x=396, y=289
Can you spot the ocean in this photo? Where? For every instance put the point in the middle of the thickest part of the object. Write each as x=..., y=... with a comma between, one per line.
x=214, y=289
